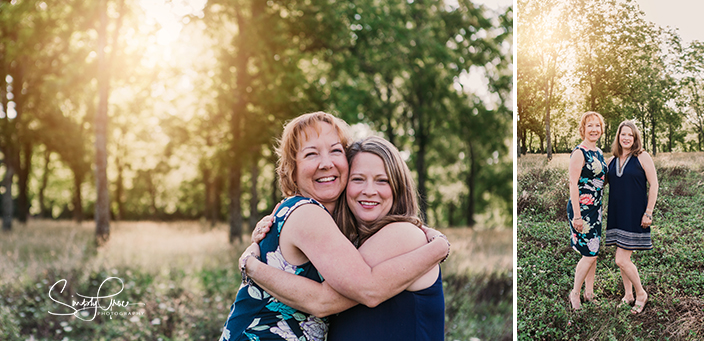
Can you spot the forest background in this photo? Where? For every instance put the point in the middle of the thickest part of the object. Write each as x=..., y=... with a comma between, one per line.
x=177, y=118
x=137, y=137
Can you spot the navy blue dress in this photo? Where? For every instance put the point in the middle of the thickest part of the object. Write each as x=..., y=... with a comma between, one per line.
x=628, y=199
x=591, y=192
x=408, y=316
x=258, y=316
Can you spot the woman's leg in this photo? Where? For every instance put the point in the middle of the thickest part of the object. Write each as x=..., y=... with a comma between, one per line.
x=580, y=274
x=627, y=287
x=630, y=276
x=589, y=282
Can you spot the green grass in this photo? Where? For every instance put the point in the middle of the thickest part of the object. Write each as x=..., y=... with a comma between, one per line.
x=185, y=274
x=672, y=273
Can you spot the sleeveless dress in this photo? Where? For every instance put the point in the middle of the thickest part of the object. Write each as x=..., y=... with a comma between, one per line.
x=628, y=199
x=591, y=192
x=256, y=315
x=408, y=316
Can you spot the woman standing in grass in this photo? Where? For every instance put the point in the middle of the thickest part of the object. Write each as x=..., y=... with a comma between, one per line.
x=631, y=206
x=586, y=183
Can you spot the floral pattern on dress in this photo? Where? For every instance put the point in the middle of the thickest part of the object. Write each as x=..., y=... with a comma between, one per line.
x=276, y=259
x=314, y=330
x=284, y=330
x=262, y=316
x=591, y=191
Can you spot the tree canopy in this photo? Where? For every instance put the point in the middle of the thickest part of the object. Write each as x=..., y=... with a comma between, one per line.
x=604, y=56
x=124, y=109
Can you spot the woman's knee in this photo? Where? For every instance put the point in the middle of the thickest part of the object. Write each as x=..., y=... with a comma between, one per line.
x=623, y=259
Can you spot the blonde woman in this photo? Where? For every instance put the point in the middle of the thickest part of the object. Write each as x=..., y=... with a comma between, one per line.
x=587, y=170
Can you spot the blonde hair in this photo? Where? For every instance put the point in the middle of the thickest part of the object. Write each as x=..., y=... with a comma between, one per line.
x=404, y=192
x=290, y=143
x=637, y=146
x=585, y=117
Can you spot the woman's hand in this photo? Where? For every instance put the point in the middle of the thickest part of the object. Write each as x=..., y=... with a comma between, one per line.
x=430, y=233
x=263, y=226
x=253, y=249
x=646, y=221
x=578, y=224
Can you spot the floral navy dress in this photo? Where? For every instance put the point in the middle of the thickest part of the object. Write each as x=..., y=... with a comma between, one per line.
x=256, y=315
x=591, y=191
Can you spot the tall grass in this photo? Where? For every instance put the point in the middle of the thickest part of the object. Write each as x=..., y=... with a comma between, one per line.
x=186, y=275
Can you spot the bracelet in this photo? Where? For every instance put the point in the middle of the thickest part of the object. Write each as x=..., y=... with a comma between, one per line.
x=578, y=218
x=448, y=244
x=648, y=215
x=246, y=280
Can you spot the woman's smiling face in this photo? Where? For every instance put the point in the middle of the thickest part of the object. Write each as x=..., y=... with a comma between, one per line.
x=321, y=165
x=592, y=129
x=369, y=195
x=625, y=138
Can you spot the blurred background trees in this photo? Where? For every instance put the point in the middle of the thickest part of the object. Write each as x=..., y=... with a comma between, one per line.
x=182, y=100
x=611, y=60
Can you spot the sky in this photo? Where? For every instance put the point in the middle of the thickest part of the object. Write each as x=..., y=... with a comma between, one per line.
x=682, y=14
x=494, y=4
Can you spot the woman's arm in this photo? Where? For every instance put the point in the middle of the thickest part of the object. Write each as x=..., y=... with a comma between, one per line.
x=396, y=239
x=343, y=267
x=320, y=299
x=651, y=175
x=292, y=290
x=340, y=263
x=575, y=171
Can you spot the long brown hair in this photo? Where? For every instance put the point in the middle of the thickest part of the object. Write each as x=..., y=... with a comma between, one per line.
x=637, y=147
x=405, y=194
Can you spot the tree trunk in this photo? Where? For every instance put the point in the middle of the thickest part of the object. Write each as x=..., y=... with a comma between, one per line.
x=119, y=190
x=275, y=191
x=275, y=198
x=7, y=205
x=451, y=214
x=77, y=197
x=102, y=204
x=25, y=168
x=548, y=95
x=652, y=133
x=215, y=213
x=44, y=211
x=208, y=183
x=235, y=203
x=471, y=184
x=254, y=198
x=422, y=142
x=518, y=142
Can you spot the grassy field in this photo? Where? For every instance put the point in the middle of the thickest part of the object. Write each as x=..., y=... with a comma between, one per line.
x=185, y=275
x=672, y=273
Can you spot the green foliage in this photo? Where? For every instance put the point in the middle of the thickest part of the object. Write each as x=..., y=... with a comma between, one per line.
x=621, y=66
x=479, y=306
x=544, y=192
x=671, y=273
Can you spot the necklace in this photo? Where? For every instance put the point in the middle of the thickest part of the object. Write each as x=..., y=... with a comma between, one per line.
x=620, y=167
